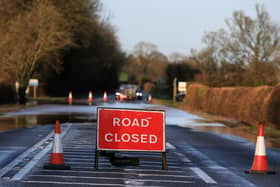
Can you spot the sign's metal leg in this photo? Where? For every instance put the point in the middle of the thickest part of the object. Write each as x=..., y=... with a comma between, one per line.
x=163, y=161
x=96, y=158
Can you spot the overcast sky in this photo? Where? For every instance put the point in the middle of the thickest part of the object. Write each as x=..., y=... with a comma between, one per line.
x=176, y=25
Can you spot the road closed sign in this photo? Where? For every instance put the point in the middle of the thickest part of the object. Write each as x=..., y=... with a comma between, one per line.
x=130, y=130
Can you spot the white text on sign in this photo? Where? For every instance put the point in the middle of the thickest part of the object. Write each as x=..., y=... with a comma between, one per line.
x=134, y=138
x=130, y=130
x=126, y=122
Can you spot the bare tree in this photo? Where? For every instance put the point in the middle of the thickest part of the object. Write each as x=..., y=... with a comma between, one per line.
x=256, y=40
x=176, y=57
x=246, y=44
x=142, y=52
x=146, y=64
x=32, y=36
x=144, y=49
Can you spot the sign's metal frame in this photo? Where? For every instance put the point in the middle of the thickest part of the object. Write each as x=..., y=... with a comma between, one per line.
x=97, y=149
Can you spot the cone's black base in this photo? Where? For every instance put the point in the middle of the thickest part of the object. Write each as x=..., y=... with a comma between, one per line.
x=57, y=167
x=259, y=172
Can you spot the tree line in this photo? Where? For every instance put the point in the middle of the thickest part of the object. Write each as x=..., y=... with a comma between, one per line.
x=64, y=43
x=245, y=53
x=69, y=46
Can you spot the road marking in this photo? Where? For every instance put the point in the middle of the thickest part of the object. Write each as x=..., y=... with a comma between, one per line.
x=186, y=160
x=119, y=173
x=31, y=164
x=112, y=178
x=72, y=183
x=78, y=156
x=105, y=163
x=183, y=157
x=116, y=171
x=89, y=153
x=86, y=160
x=132, y=182
x=211, y=163
x=206, y=178
x=17, y=160
x=170, y=146
x=21, y=173
x=159, y=175
x=153, y=170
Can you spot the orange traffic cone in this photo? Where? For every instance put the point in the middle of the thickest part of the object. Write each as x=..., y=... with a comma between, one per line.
x=70, y=98
x=260, y=165
x=121, y=97
x=150, y=98
x=90, y=97
x=57, y=156
x=105, y=99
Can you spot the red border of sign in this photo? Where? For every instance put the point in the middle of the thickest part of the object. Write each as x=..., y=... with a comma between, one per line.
x=130, y=109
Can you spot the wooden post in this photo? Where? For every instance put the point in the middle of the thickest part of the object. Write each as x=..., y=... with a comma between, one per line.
x=96, y=158
x=163, y=161
x=34, y=92
x=174, y=88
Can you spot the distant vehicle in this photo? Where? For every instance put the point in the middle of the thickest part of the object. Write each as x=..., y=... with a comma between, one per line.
x=180, y=96
x=139, y=93
x=127, y=92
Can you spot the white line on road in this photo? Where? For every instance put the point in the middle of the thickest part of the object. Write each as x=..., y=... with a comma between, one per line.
x=153, y=170
x=8, y=167
x=35, y=159
x=77, y=183
x=105, y=163
x=113, y=178
x=160, y=175
x=170, y=146
x=72, y=183
x=31, y=164
x=225, y=171
x=80, y=159
x=206, y=178
x=132, y=182
x=118, y=173
x=183, y=157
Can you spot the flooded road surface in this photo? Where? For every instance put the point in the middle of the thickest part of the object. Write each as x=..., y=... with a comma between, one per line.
x=49, y=113
x=28, y=121
x=200, y=151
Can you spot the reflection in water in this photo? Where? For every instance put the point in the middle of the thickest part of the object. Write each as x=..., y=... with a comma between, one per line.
x=10, y=123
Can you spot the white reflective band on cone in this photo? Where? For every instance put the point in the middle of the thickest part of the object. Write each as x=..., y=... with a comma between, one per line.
x=260, y=146
x=57, y=146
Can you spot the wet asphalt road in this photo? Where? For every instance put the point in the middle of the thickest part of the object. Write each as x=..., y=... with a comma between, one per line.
x=15, y=142
x=194, y=158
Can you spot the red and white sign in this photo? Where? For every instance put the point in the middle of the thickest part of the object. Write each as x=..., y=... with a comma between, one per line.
x=130, y=130
x=182, y=86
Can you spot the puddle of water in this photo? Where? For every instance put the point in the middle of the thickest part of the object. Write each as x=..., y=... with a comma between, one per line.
x=195, y=124
x=27, y=121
